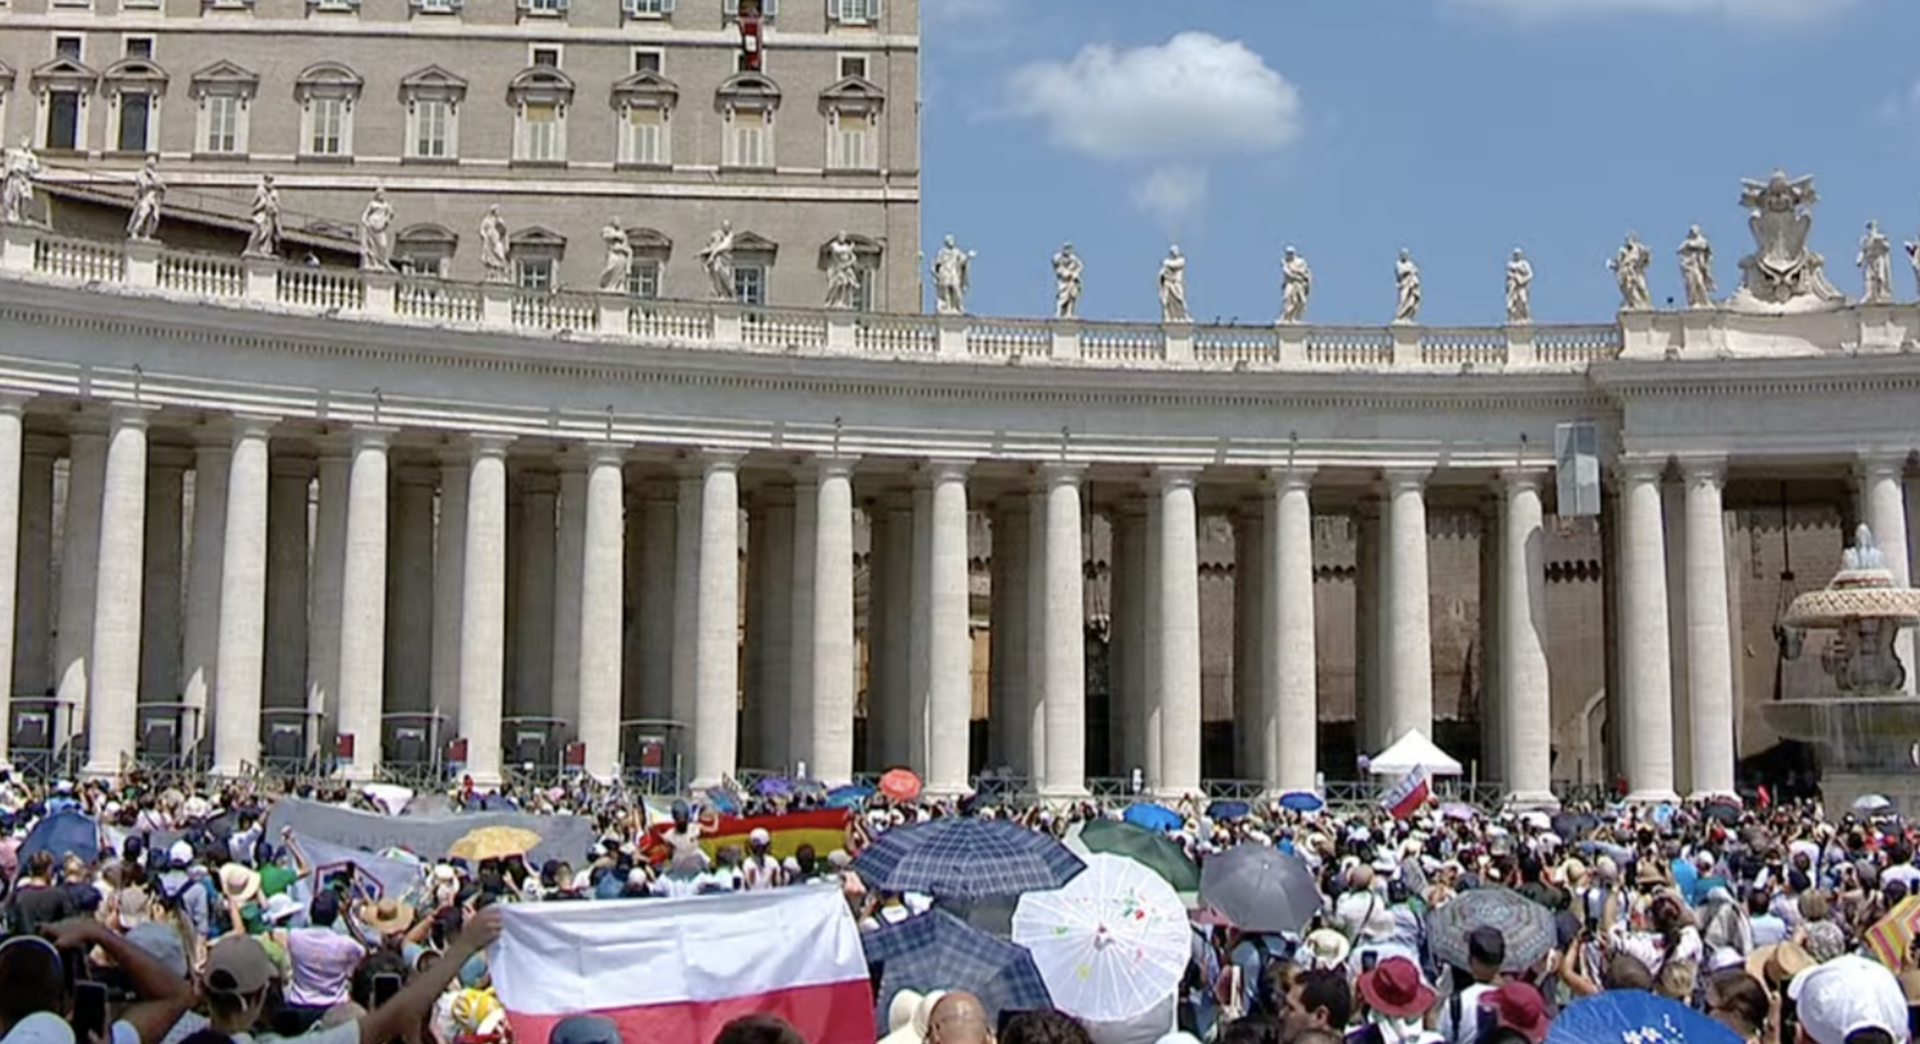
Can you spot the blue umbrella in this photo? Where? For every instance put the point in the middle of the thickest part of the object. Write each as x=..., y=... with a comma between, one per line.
x=1229, y=810
x=1302, y=801
x=850, y=796
x=61, y=833
x=1617, y=1015
x=938, y=951
x=1153, y=817
x=774, y=787
x=966, y=859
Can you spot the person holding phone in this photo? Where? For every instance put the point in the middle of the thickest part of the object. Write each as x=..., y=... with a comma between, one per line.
x=35, y=989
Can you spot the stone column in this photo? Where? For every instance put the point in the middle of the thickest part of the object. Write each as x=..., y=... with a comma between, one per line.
x=1293, y=724
x=799, y=605
x=1250, y=638
x=289, y=502
x=949, y=638
x=1495, y=765
x=1179, y=634
x=1129, y=635
x=1065, y=665
x=893, y=644
x=12, y=444
x=658, y=627
x=79, y=558
x=363, y=602
x=212, y=460
x=1033, y=718
x=603, y=573
x=533, y=608
x=835, y=679
x=1646, y=741
x=114, y=682
x=1011, y=622
x=1526, y=708
x=920, y=637
x=1673, y=510
x=1884, y=507
x=240, y=662
x=32, y=653
x=686, y=623
x=162, y=599
x=1409, y=690
x=1369, y=653
x=449, y=584
x=1709, y=641
x=569, y=602
x=716, y=711
x=1152, y=721
x=409, y=675
x=324, y=591
x=483, y=609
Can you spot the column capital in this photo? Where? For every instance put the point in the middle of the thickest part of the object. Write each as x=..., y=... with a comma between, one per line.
x=1521, y=477
x=942, y=470
x=1400, y=477
x=251, y=425
x=1176, y=476
x=714, y=461
x=131, y=415
x=832, y=465
x=597, y=454
x=1877, y=463
x=1640, y=469
x=1289, y=477
x=1061, y=473
x=1702, y=468
x=487, y=445
x=372, y=436
x=13, y=402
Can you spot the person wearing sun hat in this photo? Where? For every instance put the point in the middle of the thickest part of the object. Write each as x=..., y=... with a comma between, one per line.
x=1518, y=1006
x=1397, y=1002
x=1842, y=1000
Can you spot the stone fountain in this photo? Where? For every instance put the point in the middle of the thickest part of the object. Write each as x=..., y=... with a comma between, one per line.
x=1864, y=728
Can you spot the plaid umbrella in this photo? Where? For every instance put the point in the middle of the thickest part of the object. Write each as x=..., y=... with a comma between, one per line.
x=938, y=951
x=1260, y=889
x=1526, y=925
x=966, y=859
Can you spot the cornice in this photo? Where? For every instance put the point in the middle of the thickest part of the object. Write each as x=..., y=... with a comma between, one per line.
x=1839, y=374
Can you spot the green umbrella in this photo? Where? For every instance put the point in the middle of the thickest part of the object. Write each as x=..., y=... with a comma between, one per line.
x=1157, y=852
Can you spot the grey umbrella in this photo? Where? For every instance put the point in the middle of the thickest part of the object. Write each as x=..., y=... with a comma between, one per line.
x=1259, y=889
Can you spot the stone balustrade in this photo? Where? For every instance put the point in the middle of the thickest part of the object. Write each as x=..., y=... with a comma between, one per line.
x=259, y=282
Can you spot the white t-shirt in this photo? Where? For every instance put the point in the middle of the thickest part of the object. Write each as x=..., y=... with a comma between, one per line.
x=43, y=1027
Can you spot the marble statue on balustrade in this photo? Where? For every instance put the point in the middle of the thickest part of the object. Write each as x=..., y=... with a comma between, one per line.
x=1068, y=272
x=1407, y=292
x=717, y=258
x=1876, y=266
x=951, y=278
x=21, y=170
x=149, y=189
x=1782, y=276
x=376, y=233
x=1173, y=288
x=263, y=237
x=619, y=257
x=1629, y=267
x=1519, y=289
x=1696, y=268
x=843, y=274
x=1296, y=287
x=493, y=247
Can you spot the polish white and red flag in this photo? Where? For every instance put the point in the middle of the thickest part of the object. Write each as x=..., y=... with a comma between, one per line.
x=674, y=971
x=1406, y=797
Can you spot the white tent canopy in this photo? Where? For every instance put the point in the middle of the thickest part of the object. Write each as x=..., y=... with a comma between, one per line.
x=1412, y=751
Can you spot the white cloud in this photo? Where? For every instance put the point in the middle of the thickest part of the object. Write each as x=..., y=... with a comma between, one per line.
x=1738, y=11
x=1194, y=94
x=1176, y=105
x=1173, y=193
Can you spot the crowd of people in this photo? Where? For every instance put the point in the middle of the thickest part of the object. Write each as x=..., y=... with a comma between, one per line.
x=195, y=924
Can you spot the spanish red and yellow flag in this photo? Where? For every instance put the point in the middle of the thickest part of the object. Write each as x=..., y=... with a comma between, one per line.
x=824, y=829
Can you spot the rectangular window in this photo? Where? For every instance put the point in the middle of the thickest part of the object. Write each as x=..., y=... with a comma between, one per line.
x=135, y=110
x=646, y=136
x=853, y=65
x=750, y=284
x=533, y=273
x=140, y=47
x=853, y=141
x=542, y=129
x=223, y=123
x=731, y=8
x=649, y=8
x=545, y=56
x=430, y=129
x=643, y=279
x=854, y=12
x=648, y=60
x=437, y=6
x=67, y=47
x=63, y=120
x=329, y=130
x=750, y=139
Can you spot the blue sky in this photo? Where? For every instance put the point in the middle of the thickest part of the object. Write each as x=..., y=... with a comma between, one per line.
x=1351, y=128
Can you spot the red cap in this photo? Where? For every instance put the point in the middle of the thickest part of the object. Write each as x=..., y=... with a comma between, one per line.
x=1519, y=1007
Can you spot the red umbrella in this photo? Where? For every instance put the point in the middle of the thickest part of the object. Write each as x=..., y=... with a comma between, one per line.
x=900, y=785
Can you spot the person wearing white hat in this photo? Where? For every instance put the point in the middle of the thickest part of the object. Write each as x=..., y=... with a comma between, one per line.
x=761, y=870
x=1849, y=1000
